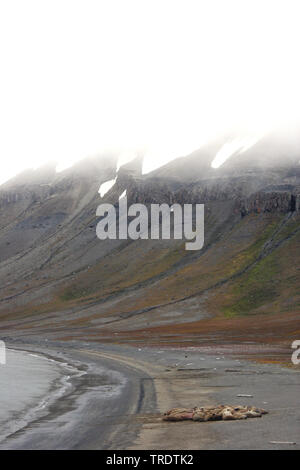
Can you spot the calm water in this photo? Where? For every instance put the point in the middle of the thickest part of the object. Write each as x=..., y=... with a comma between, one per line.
x=28, y=383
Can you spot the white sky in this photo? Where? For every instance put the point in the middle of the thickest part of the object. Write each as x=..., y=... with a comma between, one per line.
x=80, y=76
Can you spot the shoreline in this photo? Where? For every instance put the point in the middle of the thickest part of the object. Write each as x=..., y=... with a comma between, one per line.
x=154, y=380
x=74, y=401
x=58, y=387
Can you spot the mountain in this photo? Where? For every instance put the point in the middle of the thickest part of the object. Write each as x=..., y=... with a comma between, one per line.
x=59, y=281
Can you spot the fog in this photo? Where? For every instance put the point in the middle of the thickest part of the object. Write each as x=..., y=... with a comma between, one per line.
x=161, y=78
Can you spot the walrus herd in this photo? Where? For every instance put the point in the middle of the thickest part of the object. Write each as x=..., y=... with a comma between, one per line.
x=213, y=413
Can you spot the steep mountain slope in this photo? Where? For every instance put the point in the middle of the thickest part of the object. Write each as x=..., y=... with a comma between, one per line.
x=58, y=280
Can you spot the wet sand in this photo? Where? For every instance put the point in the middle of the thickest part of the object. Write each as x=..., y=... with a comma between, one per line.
x=117, y=403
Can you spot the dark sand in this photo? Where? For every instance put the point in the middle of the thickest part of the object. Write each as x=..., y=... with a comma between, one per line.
x=117, y=403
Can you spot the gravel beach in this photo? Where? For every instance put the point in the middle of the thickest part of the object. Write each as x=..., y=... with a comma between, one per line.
x=117, y=394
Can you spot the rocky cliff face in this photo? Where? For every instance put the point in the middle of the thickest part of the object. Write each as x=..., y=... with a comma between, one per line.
x=271, y=201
